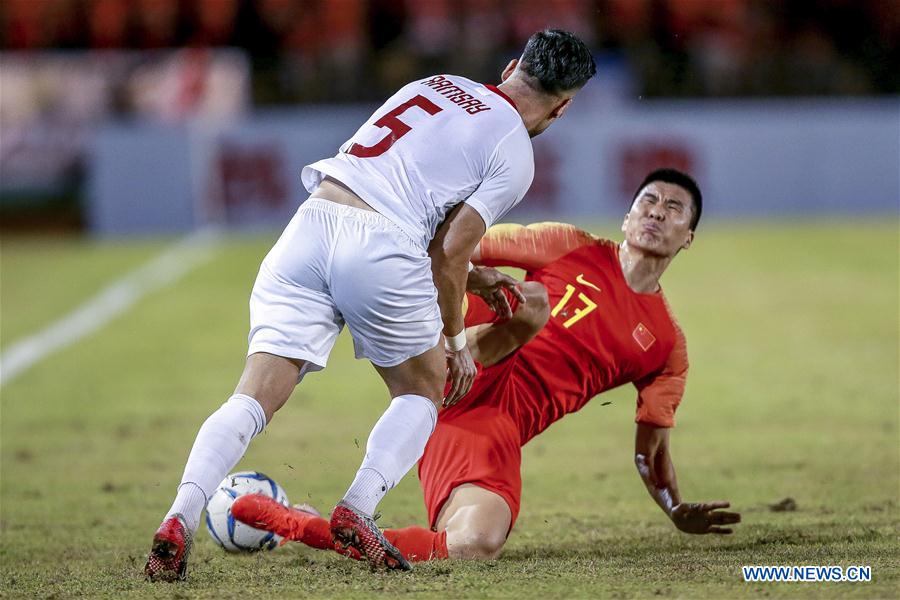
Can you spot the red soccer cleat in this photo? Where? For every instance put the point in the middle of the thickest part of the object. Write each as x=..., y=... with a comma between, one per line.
x=352, y=529
x=171, y=546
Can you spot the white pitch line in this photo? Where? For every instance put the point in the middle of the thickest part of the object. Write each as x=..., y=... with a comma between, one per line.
x=167, y=268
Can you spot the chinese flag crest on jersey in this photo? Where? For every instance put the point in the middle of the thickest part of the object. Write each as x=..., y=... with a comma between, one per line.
x=643, y=337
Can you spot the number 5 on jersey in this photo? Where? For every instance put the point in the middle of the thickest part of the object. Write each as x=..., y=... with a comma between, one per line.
x=398, y=128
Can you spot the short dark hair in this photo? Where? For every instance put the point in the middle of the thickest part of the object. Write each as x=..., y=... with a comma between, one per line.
x=558, y=60
x=682, y=180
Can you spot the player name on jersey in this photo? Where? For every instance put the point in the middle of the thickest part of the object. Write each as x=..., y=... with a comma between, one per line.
x=457, y=95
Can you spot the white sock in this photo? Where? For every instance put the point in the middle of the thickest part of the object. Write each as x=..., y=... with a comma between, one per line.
x=396, y=443
x=221, y=442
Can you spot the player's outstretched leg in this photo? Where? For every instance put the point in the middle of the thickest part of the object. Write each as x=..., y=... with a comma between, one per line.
x=223, y=438
x=472, y=525
x=302, y=523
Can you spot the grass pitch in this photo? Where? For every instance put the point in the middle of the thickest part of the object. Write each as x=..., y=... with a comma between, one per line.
x=793, y=335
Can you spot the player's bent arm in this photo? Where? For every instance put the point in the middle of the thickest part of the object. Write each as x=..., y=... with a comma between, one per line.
x=450, y=250
x=654, y=465
x=529, y=247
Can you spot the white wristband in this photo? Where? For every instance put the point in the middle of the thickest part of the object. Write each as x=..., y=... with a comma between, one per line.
x=471, y=266
x=456, y=342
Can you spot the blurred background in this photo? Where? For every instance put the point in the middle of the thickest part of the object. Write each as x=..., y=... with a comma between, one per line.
x=142, y=117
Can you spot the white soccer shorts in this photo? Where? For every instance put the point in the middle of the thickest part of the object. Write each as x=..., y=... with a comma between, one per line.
x=336, y=263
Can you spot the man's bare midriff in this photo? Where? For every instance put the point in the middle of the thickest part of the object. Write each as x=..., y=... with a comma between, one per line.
x=334, y=191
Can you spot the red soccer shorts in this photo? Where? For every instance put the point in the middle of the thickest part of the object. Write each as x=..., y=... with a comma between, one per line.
x=477, y=442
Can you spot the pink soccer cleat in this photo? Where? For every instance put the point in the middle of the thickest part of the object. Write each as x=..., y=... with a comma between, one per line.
x=171, y=546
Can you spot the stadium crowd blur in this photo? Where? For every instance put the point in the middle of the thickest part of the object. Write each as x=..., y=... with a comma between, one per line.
x=351, y=50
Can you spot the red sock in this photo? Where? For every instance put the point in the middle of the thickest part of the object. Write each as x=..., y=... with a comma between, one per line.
x=314, y=531
x=417, y=543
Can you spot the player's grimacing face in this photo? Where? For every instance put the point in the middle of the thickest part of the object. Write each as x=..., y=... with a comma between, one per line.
x=660, y=219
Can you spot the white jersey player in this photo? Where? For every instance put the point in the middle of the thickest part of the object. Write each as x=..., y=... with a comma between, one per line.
x=382, y=245
x=461, y=142
x=436, y=143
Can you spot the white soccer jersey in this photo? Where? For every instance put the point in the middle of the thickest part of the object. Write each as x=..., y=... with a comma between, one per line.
x=435, y=143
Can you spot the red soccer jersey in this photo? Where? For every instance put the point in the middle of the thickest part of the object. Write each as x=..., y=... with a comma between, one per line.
x=601, y=334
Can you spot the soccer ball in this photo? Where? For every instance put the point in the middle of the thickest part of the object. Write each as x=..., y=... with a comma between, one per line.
x=228, y=532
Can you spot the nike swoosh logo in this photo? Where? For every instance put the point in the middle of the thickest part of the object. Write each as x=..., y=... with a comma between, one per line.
x=580, y=279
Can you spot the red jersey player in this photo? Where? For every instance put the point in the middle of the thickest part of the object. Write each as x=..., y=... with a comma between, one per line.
x=607, y=323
